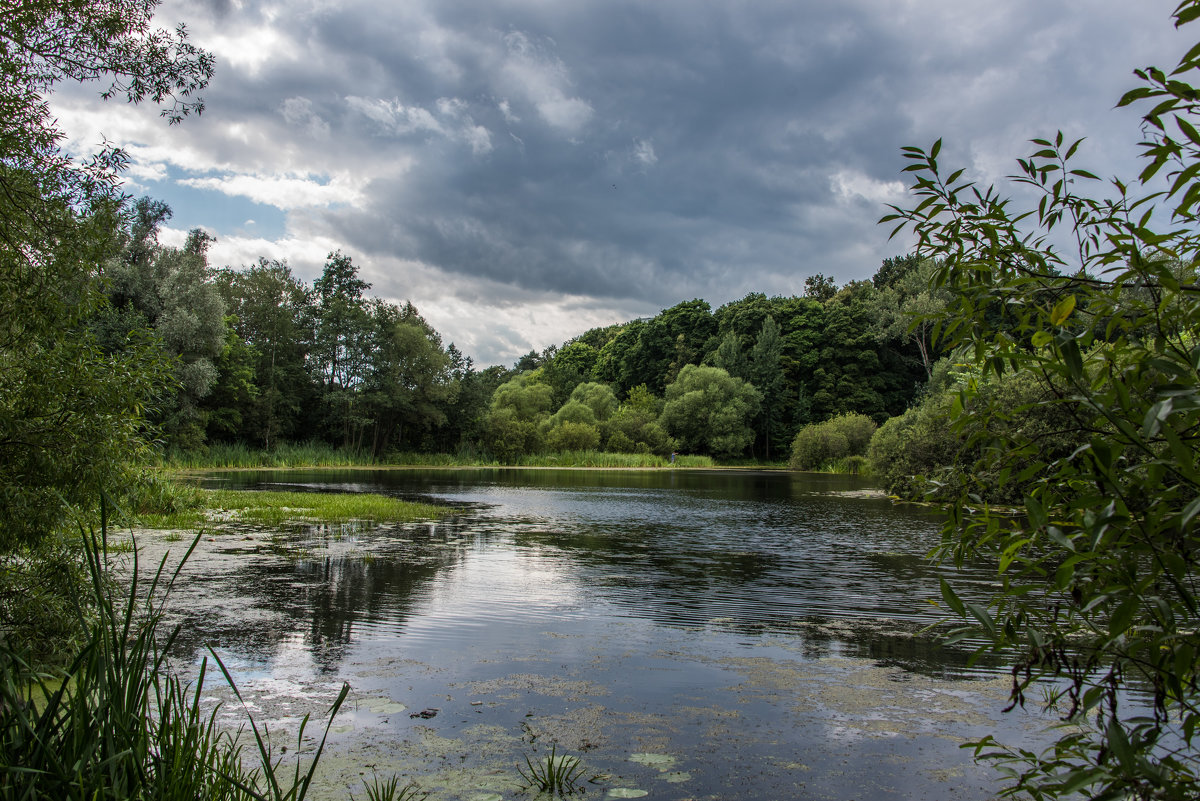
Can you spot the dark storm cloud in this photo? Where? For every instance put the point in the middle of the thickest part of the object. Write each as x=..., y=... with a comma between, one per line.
x=641, y=153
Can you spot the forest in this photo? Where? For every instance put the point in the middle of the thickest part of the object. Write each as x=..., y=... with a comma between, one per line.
x=253, y=355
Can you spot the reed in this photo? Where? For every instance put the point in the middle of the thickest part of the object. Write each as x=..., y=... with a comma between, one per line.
x=117, y=723
x=239, y=455
x=315, y=454
x=553, y=774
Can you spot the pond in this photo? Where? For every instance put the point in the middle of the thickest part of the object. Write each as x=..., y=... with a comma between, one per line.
x=687, y=634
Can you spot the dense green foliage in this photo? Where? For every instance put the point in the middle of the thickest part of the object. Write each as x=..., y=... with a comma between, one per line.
x=73, y=411
x=1082, y=408
x=818, y=444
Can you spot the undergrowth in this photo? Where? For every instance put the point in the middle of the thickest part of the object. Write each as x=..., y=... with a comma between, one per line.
x=116, y=722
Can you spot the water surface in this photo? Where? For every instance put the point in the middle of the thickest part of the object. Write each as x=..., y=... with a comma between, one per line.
x=692, y=634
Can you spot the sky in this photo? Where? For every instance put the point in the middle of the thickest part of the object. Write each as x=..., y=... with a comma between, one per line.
x=524, y=170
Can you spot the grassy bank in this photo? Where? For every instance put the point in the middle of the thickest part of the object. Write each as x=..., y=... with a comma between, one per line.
x=235, y=455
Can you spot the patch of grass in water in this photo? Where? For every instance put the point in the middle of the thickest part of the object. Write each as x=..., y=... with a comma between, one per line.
x=274, y=508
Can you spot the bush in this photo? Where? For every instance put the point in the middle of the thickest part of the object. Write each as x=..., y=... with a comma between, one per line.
x=907, y=450
x=573, y=437
x=818, y=444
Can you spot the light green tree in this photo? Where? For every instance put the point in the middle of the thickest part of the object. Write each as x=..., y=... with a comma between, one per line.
x=709, y=411
x=170, y=292
x=1096, y=602
x=515, y=418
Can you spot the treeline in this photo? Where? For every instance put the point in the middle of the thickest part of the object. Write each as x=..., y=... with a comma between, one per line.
x=259, y=357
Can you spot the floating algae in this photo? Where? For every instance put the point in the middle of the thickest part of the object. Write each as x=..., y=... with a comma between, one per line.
x=660, y=761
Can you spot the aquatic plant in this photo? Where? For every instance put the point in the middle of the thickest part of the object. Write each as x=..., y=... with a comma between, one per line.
x=116, y=723
x=391, y=790
x=554, y=774
x=271, y=508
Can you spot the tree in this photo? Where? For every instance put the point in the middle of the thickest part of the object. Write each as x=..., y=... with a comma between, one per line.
x=171, y=292
x=515, y=416
x=767, y=376
x=907, y=308
x=341, y=344
x=729, y=357
x=1098, y=573
x=271, y=313
x=72, y=413
x=634, y=427
x=407, y=381
x=819, y=287
x=708, y=411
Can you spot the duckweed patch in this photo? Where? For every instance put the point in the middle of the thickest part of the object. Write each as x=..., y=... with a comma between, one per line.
x=221, y=507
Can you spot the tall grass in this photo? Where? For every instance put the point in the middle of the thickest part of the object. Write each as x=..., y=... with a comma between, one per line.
x=315, y=454
x=302, y=454
x=602, y=459
x=116, y=723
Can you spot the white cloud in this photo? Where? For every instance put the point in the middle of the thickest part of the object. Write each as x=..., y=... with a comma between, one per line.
x=299, y=112
x=506, y=109
x=452, y=120
x=394, y=116
x=851, y=185
x=250, y=48
x=542, y=79
x=643, y=152
x=283, y=191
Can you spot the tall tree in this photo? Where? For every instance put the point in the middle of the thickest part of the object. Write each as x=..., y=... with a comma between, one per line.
x=767, y=376
x=341, y=345
x=171, y=292
x=407, y=383
x=272, y=313
x=72, y=413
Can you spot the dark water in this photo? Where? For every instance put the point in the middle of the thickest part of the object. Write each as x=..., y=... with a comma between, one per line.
x=688, y=634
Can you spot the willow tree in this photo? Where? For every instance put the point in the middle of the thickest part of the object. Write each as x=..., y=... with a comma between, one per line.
x=69, y=411
x=1098, y=572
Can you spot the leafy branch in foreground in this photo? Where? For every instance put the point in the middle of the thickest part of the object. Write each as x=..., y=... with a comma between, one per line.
x=1095, y=298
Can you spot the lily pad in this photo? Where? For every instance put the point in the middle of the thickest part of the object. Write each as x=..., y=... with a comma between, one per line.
x=627, y=792
x=487, y=797
x=677, y=776
x=388, y=708
x=660, y=761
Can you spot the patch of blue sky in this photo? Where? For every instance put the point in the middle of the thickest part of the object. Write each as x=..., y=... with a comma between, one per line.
x=214, y=211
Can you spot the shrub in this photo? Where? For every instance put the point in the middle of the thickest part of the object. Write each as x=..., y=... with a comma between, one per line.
x=573, y=437
x=818, y=444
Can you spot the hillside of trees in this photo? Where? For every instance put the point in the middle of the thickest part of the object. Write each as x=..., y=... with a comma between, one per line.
x=256, y=356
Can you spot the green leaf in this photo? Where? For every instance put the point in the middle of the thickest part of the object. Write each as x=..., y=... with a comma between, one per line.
x=952, y=600
x=985, y=619
x=1122, y=616
x=1118, y=743
x=1062, y=310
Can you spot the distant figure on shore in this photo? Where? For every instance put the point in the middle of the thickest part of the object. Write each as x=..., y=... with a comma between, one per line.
x=673, y=455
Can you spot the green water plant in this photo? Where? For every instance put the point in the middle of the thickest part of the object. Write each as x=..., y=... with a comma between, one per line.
x=118, y=723
x=273, y=508
x=554, y=774
x=391, y=789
